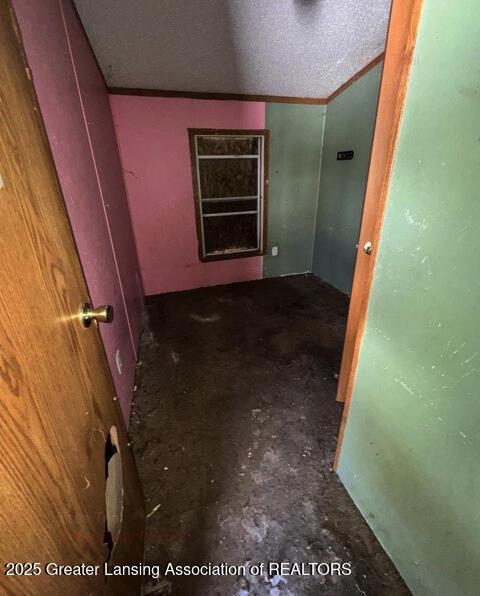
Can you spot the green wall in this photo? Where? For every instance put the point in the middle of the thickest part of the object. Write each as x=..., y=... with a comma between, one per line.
x=411, y=455
x=349, y=125
x=295, y=149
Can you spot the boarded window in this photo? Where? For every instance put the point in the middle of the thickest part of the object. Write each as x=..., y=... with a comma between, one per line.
x=229, y=187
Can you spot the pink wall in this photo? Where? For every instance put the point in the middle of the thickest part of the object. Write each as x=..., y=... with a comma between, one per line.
x=153, y=140
x=75, y=107
x=108, y=169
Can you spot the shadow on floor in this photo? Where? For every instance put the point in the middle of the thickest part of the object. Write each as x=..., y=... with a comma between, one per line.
x=234, y=429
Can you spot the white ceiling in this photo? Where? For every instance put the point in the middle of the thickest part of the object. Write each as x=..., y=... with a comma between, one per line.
x=305, y=48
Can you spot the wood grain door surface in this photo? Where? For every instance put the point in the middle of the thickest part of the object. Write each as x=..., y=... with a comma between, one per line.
x=57, y=398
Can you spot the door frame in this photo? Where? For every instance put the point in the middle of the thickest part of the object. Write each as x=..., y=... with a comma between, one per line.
x=399, y=50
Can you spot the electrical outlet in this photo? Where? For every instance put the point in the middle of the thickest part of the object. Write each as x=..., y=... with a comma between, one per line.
x=274, y=251
x=118, y=360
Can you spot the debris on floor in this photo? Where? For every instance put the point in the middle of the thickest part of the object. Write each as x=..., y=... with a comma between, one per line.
x=154, y=510
x=236, y=440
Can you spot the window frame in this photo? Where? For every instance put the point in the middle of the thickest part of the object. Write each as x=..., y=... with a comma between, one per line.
x=262, y=206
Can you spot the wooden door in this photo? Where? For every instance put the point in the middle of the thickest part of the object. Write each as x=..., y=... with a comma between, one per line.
x=399, y=49
x=61, y=429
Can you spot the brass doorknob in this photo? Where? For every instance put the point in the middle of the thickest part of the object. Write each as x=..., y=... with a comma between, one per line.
x=101, y=314
x=367, y=249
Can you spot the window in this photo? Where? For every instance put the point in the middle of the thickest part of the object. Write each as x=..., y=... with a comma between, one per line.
x=229, y=188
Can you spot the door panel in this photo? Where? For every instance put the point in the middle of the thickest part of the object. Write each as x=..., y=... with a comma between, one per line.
x=398, y=54
x=58, y=399
x=402, y=32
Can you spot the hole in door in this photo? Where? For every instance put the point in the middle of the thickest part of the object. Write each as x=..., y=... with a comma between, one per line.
x=113, y=491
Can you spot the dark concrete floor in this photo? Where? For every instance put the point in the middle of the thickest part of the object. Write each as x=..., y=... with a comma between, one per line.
x=234, y=429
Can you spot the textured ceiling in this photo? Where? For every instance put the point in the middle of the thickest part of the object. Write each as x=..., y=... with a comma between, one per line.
x=305, y=48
